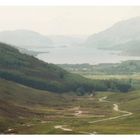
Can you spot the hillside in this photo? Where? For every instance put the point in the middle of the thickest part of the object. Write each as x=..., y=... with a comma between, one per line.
x=25, y=39
x=21, y=95
x=19, y=103
x=119, y=34
x=131, y=48
x=30, y=71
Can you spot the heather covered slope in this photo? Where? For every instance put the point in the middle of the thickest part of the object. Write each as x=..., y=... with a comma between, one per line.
x=20, y=104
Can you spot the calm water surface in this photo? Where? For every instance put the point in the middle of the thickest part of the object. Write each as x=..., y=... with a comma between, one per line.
x=78, y=55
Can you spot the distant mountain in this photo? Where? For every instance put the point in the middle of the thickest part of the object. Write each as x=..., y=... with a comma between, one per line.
x=129, y=48
x=25, y=39
x=68, y=40
x=119, y=34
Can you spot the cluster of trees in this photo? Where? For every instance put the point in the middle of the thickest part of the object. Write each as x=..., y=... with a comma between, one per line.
x=81, y=86
x=126, y=67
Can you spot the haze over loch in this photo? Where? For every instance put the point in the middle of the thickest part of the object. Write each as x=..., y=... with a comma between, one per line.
x=79, y=55
x=70, y=70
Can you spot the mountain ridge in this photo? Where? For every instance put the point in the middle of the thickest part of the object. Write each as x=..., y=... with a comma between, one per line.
x=120, y=32
x=25, y=38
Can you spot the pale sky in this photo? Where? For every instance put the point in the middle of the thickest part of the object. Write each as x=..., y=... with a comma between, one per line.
x=64, y=20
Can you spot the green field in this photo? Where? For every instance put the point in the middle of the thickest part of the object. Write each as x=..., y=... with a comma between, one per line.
x=125, y=77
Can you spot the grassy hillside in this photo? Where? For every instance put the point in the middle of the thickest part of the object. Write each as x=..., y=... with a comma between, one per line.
x=20, y=103
x=26, y=96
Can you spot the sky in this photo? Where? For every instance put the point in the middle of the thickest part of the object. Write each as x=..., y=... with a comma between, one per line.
x=64, y=20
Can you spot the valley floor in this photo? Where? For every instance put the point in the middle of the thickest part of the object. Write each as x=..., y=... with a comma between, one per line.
x=99, y=114
x=25, y=110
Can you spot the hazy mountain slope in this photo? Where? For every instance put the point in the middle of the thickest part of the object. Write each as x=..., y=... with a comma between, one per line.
x=25, y=38
x=129, y=48
x=119, y=33
x=68, y=40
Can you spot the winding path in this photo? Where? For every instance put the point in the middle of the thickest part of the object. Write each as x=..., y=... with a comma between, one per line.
x=115, y=108
x=62, y=127
x=78, y=112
